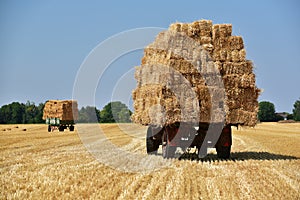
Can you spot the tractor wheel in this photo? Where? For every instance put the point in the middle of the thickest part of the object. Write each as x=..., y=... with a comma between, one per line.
x=151, y=144
x=71, y=128
x=223, y=152
x=49, y=128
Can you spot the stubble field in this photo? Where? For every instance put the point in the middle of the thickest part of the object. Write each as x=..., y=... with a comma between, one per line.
x=35, y=164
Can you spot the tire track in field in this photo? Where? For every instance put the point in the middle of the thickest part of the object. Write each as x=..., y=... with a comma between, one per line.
x=244, y=143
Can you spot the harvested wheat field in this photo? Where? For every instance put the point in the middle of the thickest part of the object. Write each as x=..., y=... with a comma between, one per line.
x=36, y=164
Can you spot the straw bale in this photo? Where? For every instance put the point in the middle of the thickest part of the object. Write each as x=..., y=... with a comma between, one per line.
x=185, y=29
x=159, y=57
x=246, y=99
x=176, y=77
x=194, y=29
x=205, y=40
x=235, y=57
x=211, y=116
x=225, y=30
x=242, y=55
x=223, y=55
x=63, y=109
x=239, y=81
x=236, y=43
x=221, y=32
x=220, y=43
x=239, y=68
x=208, y=47
x=175, y=27
x=239, y=116
x=205, y=28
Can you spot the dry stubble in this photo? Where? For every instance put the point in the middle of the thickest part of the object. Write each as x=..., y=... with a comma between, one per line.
x=37, y=164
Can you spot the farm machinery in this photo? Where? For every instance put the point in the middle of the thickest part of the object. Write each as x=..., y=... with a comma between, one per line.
x=187, y=136
x=60, y=114
x=61, y=125
x=194, y=83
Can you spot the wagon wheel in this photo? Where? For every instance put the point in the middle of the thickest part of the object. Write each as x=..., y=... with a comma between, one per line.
x=223, y=152
x=61, y=128
x=167, y=150
x=152, y=145
x=71, y=128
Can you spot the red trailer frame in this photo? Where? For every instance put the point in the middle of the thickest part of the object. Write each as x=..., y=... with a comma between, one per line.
x=185, y=136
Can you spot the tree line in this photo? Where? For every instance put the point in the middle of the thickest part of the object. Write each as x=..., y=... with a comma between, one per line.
x=111, y=113
x=266, y=112
x=20, y=113
x=30, y=113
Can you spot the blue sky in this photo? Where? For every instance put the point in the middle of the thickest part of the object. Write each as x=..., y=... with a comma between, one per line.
x=44, y=43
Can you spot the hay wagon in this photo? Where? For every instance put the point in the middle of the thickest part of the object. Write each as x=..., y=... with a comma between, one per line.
x=60, y=114
x=208, y=61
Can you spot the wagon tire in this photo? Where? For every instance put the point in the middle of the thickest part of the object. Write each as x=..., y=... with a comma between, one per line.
x=61, y=128
x=71, y=128
x=223, y=152
x=167, y=150
x=152, y=145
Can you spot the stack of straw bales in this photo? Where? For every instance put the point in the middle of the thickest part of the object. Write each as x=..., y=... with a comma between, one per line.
x=196, y=72
x=62, y=109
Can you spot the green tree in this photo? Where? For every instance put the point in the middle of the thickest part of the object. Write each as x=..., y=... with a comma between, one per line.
x=290, y=116
x=12, y=113
x=106, y=114
x=296, y=110
x=82, y=118
x=16, y=113
x=124, y=115
x=39, y=115
x=88, y=114
x=30, y=113
x=266, y=112
x=5, y=114
x=115, y=112
x=33, y=114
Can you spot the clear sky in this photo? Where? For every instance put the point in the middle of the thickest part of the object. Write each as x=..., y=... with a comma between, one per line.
x=44, y=43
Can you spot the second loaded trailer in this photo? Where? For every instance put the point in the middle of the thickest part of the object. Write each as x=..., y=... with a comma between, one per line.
x=60, y=114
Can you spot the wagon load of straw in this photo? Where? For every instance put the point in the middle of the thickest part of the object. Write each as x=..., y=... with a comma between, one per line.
x=62, y=109
x=195, y=72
